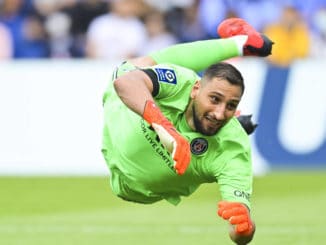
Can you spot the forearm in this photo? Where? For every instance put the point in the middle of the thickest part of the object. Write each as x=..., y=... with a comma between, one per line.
x=134, y=89
x=201, y=54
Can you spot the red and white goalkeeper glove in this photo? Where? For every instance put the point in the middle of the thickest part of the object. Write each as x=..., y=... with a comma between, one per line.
x=257, y=43
x=176, y=144
x=238, y=215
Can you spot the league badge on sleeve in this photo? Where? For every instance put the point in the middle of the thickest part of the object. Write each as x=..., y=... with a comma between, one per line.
x=166, y=75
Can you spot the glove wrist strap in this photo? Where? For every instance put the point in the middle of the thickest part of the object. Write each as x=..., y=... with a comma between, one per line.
x=152, y=112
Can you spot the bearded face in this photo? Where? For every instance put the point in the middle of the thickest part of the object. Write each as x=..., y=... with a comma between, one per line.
x=213, y=105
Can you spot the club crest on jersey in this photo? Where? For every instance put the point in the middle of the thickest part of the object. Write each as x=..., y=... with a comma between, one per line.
x=166, y=75
x=198, y=146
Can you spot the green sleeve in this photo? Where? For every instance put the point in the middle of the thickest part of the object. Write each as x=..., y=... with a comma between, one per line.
x=232, y=166
x=198, y=55
x=235, y=181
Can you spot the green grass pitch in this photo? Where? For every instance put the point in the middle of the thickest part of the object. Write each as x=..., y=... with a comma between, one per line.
x=288, y=207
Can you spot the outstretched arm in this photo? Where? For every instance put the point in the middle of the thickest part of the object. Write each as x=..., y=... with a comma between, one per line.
x=197, y=55
x=237, y=38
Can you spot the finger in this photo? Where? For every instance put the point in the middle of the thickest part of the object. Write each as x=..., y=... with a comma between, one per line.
x=182, y=156
x=225, y=205
x=243, y=227
x=228, y=213
x=182, y=164
x=230, y=204
x=238, y=219
x=222, y=204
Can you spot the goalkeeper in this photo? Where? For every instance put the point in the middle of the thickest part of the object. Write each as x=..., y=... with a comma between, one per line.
x=167, y=130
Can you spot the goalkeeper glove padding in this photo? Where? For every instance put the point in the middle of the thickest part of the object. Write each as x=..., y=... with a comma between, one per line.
x=238, y=215
x=257, y=44
x=175, y=144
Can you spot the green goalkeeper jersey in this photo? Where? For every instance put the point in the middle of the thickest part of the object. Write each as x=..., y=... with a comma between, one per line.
x=141, y=168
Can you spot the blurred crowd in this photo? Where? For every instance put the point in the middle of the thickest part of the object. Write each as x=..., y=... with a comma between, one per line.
x=120, y=29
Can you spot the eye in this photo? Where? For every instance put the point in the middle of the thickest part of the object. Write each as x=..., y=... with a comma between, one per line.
x=214, y=99
x=232, y=106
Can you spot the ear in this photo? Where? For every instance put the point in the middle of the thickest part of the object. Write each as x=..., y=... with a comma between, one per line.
x=195, y=90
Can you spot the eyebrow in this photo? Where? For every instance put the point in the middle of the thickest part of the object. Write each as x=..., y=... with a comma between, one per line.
x=221, y=95
x=235, y=101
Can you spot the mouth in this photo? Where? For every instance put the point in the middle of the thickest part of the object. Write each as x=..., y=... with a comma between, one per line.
x=213, y=123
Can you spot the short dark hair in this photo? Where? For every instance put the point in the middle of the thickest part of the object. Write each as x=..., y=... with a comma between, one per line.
x=225, y=71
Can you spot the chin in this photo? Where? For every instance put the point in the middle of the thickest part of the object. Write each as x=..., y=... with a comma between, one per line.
x=206, y=128
x=210, y=131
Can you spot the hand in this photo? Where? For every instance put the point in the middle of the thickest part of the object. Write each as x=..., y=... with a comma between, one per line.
x=238, y=215
x=176, y=144
x=257, y=44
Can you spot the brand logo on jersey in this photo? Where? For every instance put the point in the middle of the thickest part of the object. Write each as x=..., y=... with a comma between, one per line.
x=242, y=194
x=166, y=75
x=156, y=145
x=198, y=146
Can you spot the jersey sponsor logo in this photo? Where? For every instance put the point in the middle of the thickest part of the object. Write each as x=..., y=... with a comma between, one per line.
x=198, y=146
x=157, y=146
x=166, y=75
x=238, y=193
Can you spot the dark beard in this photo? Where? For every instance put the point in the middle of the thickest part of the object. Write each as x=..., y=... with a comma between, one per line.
x=198, y=125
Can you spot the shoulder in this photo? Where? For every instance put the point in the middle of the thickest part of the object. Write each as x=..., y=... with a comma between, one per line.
x=233, y=134
x=173, y=79
x=174, y=70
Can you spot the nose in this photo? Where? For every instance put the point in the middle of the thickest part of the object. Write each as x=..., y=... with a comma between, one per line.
x=219, y=112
